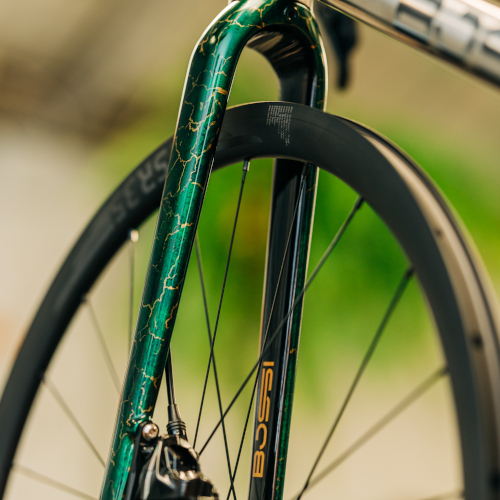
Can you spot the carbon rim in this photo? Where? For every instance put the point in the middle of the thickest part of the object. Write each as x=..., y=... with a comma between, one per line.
x=399, y=193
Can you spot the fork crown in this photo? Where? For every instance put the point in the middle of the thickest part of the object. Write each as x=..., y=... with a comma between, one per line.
x=204, y=100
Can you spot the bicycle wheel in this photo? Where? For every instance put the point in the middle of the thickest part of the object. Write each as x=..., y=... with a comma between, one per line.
x=403, y=201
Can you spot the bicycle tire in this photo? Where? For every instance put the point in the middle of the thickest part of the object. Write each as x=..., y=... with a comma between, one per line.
x=397, y=190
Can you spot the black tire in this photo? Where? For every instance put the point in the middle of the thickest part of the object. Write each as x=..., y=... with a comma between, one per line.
x=396, y=189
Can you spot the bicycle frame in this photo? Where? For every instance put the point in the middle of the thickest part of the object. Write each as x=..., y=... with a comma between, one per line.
x=465, y=33
x=286, y=33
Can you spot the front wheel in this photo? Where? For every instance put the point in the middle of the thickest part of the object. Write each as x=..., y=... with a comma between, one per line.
x=367, y=361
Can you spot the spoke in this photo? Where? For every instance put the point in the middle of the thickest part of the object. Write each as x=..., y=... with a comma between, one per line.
x=209, y=330
x=297, y=300
x=304, y=174
x=133, y=237
x=51, y=482
x=246, y=166
x=413, y=396
x=104, y=348
x=364, y=363
x=60, y=400
x=244, y=431
x=207, y=317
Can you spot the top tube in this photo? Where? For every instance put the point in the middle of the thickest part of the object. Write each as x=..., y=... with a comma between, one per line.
x=464, y=32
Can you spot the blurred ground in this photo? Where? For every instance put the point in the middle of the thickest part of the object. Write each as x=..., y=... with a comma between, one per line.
x=88, y=88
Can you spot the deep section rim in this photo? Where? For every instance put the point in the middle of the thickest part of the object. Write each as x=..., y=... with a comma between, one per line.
x=396, y=189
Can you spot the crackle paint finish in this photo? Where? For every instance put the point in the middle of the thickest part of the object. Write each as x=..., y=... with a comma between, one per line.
x=204, y=100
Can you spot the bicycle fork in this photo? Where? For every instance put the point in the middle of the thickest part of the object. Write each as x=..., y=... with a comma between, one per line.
x=286, y=33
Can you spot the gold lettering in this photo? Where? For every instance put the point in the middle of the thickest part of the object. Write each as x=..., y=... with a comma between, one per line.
x=264, y=428
x=258, y=464
x=262, y=398
x=266, y=384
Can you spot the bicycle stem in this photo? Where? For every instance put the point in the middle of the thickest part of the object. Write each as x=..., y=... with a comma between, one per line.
x=206, y=92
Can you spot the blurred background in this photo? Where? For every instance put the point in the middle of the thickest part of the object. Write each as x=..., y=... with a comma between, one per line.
x=89, y=88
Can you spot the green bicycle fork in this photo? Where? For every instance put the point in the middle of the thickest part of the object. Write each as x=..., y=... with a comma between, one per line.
x=300, y=67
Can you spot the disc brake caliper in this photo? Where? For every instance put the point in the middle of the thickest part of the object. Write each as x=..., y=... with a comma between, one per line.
x=166, y=467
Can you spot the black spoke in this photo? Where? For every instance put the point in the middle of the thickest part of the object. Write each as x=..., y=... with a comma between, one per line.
x=51, y=482
x=207, y=318
x=246, y=166
x=244, y=431
x=105, y=351
x=364, y=363
x=65, y=408
x=304, y=174
x=305, y=171
x=133, y=237
x=413, y=396
x=297, y=300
